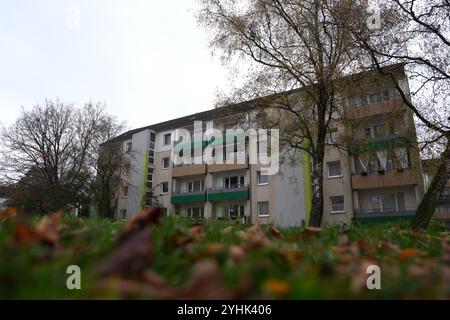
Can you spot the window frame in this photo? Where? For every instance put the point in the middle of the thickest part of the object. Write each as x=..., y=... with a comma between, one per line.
x=162, y=187
x=340, y=169
x=163, y=163
x=258, y=208
x=331, y=205
x=258, y=176
x=125, y=194
x=164, y=139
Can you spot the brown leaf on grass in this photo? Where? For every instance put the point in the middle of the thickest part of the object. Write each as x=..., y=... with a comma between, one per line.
x=277, y=288
x=237, y=253
x=311, y=231
x=408, y=253
x=293, y=257
x=204, y=283
x=196, y=231
x=133, y=254
x=148, y=217
x=215, y=248
x=24, y=234
x=48, y=229
x=390, y=246
x=256, y=238
x=8, y=213
x=274, y=232
x=45, y=232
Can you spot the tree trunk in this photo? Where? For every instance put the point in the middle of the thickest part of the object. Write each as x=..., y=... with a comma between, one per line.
x=427, y=206
x=315, y=218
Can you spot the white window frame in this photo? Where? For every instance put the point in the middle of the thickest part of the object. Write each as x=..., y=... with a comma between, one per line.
x=331, y=205
x=168, y=163
x=164, y=139
x=340, y=169
x=258, y=209
x=258, y=176
x=123, y=191
x=202, y=185
x=162, y=188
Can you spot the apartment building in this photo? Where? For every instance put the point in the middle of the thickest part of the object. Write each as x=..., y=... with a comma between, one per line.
x=378, y=177
x=443, y=205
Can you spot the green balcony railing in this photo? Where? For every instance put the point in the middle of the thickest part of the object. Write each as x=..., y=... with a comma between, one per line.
x=241, y=193
x=188, y=197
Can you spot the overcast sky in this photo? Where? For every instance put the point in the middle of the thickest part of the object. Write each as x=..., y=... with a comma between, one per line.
x=146, y=59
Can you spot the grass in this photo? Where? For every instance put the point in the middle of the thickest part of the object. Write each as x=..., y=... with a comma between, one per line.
x=251, y=263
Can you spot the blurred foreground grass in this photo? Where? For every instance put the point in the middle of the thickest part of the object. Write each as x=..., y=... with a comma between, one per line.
x=220, y=260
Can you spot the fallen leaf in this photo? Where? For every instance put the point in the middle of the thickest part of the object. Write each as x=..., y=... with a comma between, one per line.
x=215, y=248
x=24, y=234
x=196, y=231
x=8, y=213
x=204, y=283
x=276, y=233
x=390, y=245
x=237, y=253
x=410, y=253
x=48, y=229
x=277, y=288
x=133, y=254
x=149, y=216
x=308, y=231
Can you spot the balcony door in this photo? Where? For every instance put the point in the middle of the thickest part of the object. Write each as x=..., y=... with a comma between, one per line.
x=195, y=186
x=234, y=182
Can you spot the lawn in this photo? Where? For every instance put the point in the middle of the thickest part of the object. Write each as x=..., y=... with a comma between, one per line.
x=175, y=258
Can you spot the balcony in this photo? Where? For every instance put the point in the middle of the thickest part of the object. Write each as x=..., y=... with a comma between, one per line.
x=188, y=170
x=226, y=167
x=241, y=193
x=375, y=108
x=371, y=216
x=388, y=179
x=188, y=197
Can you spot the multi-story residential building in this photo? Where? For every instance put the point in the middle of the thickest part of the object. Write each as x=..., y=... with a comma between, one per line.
x=378, y=176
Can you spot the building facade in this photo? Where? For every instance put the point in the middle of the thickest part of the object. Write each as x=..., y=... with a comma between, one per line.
x=377, y=176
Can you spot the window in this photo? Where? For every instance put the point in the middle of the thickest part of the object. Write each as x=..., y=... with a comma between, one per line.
x=125, y=191
x=152, y=137
x=337, y=204
x=164, y=187
x=123, y=214
x=167, y=139
x=262, y=178
x=198, y=212
x=367, y=132
x=379, y=131
x=165, y=163
x=263, y=209
x=234, y=182
x=151, y=157
x=386, y=202
x=128, y=147
x=195, y=186
x=374, y=98
x=334, y=169
x=232, y=211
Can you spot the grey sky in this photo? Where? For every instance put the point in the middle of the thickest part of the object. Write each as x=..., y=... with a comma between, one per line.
x=146, y=59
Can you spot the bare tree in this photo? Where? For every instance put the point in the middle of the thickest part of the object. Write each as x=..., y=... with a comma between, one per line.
x=287, y=45
x=49, y=150
x=417, y=34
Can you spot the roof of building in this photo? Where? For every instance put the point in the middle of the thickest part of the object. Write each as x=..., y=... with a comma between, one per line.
x=226, y=110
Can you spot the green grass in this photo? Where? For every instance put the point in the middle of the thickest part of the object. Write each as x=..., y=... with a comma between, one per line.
x=297, y=265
